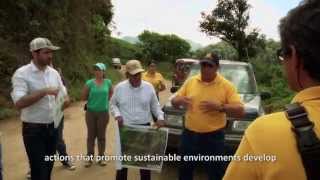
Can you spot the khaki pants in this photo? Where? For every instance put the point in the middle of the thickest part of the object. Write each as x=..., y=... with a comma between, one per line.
x=96, y=125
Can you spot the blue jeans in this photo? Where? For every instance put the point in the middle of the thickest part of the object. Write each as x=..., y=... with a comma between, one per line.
x=39, y=141
x=203, y=144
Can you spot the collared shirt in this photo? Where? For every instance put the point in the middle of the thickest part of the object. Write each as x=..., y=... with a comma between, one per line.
x=271, y=136
x=135, y=104
x=220, y=90
x=155, y=79
x=28, y=79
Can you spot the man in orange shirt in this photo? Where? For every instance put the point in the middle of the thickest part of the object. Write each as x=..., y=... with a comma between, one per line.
x=272, y=135
x=208, y=97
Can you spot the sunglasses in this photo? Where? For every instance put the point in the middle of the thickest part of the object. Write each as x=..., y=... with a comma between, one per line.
x=97, y=69
x=282, y=53
x=137, y=75
x=205, y=64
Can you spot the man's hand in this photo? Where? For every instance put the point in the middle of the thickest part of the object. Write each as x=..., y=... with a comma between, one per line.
x=160, y=123
x=209, y=106
x=184, y=101
x=161, y=86
x=66, y=103
x=35, y=96
x=120, y=121
x=51, y=91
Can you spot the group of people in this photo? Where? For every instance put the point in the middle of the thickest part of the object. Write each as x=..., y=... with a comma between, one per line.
x=35, y=90
x=207, y=97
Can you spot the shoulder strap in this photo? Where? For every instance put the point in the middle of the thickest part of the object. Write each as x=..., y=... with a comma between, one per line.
x=307, y=140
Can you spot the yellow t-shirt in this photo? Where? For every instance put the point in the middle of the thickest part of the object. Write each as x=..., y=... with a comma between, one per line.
x=272, y=135
x=155, y=79
x=220, y=90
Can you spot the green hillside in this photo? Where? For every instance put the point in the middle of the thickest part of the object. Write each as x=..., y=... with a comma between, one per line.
x=79, y=27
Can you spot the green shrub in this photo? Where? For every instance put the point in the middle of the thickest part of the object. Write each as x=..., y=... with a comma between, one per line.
x=6, y=112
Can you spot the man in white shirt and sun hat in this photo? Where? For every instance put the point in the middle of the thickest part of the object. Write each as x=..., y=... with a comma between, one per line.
x=133, y=103
x=35, y=88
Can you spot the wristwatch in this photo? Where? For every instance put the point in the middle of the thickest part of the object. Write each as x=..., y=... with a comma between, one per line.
x=222, y=108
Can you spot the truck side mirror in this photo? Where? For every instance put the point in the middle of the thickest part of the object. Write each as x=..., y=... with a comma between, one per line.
x=265, y=95
x=173, y=89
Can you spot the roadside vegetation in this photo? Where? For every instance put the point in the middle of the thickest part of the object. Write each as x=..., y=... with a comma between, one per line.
x=83, y=29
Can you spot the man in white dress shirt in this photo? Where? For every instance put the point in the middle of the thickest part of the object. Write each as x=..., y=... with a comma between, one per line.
x=133, y=103
x=35, y=88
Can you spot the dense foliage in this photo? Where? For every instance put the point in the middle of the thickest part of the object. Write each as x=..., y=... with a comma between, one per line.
x=81, y=29
x=222, y=48
x=229, y=21
x=162, y=47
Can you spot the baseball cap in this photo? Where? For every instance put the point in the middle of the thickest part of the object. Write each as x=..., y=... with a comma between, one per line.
x=211, y=58
x=133, y=67
x=40, y=43
x=100, y=66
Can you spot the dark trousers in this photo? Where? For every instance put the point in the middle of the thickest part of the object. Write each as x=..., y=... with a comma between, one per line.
x=0, y=162
x=61, y=145
x=144, y=174
x=123, y=173
x=39, y=141
x=205, y=144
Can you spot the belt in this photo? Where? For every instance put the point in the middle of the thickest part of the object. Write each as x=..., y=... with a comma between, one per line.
x=37, y=125
x=146, y=124
x=204, y=133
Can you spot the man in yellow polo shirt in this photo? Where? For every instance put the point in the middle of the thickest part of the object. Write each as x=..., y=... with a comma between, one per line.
x=272, y=135
x=208, y=97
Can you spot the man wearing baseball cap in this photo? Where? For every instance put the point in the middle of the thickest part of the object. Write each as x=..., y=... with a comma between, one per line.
x=133, y=103
x=208, y=98
x=35, y=88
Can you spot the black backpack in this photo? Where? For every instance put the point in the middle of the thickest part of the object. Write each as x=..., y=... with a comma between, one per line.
x=307, y=141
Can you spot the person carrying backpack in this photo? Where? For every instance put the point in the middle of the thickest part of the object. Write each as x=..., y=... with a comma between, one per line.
x=292, y=136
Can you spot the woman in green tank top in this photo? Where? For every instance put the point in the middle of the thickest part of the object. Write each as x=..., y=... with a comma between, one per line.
x=97, y=93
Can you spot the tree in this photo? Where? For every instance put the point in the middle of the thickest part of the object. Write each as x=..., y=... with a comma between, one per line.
x=162, y=47
x=229, y=22
x=222, y=48
x=79, y=27
x=270, y=77
x=122, y=49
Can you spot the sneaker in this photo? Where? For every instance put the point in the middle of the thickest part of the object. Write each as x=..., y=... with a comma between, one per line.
x=87, y=164
x=28, y=175
x=102, y=163
x=69, y=165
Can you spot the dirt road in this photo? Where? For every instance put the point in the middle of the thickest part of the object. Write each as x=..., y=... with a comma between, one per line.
x=15, y=159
